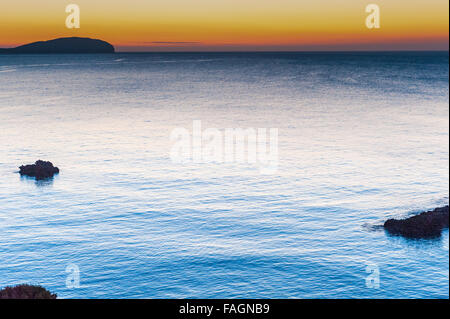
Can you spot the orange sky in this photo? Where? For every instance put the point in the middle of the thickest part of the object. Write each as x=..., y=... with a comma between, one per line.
x=167, y=25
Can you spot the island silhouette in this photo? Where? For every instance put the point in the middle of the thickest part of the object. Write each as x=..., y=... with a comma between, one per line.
x=61, y=46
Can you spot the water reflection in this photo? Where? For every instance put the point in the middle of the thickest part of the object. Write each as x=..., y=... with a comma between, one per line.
x=46, y=182
x=418, y=243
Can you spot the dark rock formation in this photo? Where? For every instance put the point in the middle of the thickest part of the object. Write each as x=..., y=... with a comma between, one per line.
x=63, y=45
x=26, y=292
x=425, y=225
x=39, y=170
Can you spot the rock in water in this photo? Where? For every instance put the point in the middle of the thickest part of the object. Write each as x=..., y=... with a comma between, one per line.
x=26, y=292
x=39, y=170
x=425, y=225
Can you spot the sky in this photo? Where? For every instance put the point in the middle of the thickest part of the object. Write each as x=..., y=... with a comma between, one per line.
x=232, y=25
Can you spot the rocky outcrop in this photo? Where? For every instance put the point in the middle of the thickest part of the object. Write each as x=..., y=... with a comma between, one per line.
x=39, y=170
x=26, y=292
x=425, y=225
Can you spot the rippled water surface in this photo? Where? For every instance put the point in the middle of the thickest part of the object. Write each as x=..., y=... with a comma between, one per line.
x=362, y=138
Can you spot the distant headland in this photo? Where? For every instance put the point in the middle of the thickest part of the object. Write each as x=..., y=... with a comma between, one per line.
x=61, y=46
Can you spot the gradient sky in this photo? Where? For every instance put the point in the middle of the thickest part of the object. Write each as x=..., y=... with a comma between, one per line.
x=185, y=25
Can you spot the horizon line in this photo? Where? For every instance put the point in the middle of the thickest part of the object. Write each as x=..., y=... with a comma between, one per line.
x=286, y=51
x=254, y=51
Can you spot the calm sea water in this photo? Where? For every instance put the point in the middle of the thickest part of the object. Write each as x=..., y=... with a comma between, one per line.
x=362, y=137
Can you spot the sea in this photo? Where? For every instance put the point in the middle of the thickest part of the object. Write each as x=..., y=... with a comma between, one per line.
x=361, y=137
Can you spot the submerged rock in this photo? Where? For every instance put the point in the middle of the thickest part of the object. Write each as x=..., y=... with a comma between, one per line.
x=26, y=292
x=39, y=170
x=425, y=225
